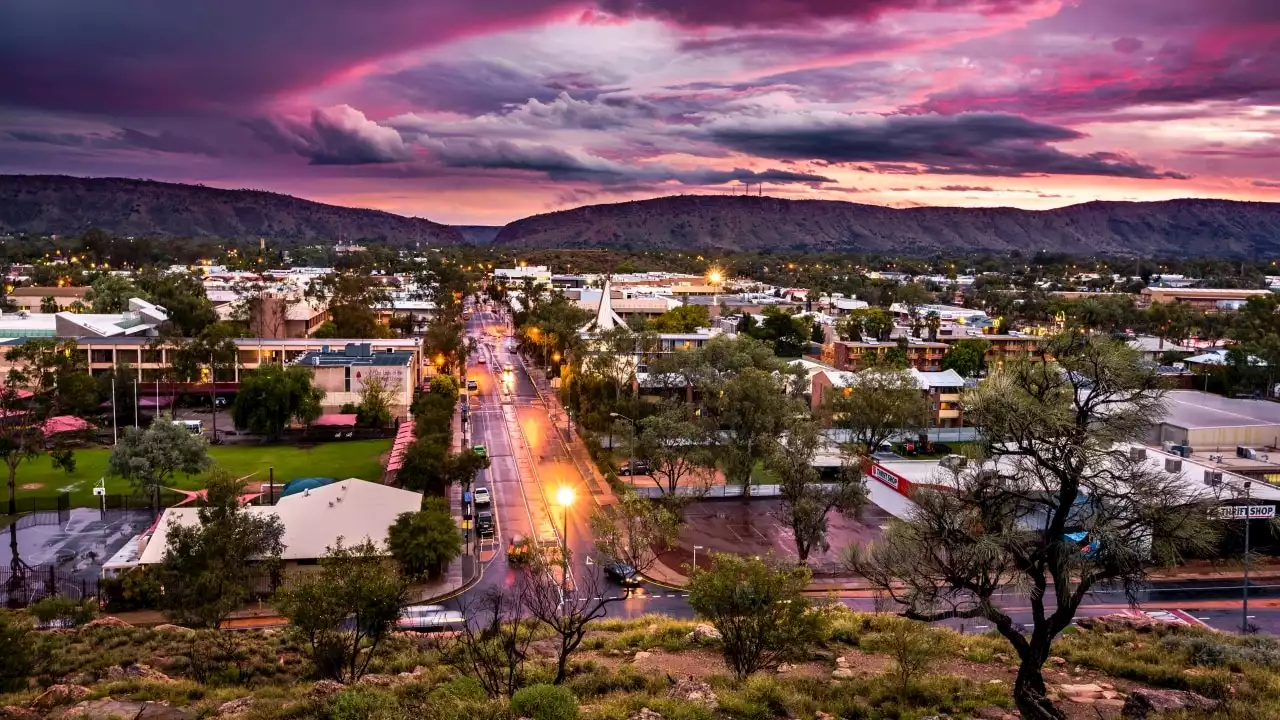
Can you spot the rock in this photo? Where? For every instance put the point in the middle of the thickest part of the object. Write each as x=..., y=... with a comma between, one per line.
x=820, y=654
x=994, y=713
x=1082, y=699
x=1055, y=660
x=544, y=648
x=646, y=714
x=996, y=681
x=1086, y=689
x=1000, y=658
x=819, y=715
x=107, y=621
x=695, y=691
x=325, y=688
x=842, y=673
x=1141, y=704
x=1111, y=703
x=13, y=712
x=842, y=661
x=167, y=627
x=1110, y=694
x=785, y=668
x=108, y=709
x=642, y=655
x=137, y=671
x=59, y=695
x=233, y=708
x=1120, y=621
x=701, y=632
x=376, y=680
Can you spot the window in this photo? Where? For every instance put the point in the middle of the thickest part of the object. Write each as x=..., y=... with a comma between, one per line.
x=153, y=357
x=346, y=379
x=127, y=356
x=101, y=356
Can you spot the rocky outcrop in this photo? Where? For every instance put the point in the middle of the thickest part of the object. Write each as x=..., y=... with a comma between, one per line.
x=1141, y=704
x=107, y=621
x=695, y=691
x=137, y=671
x=234, y=708
x=325, y=688
x=59, y=695
x=109, y=709
x=702, y=632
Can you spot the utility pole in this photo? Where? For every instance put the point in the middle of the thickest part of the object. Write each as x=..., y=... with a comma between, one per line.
x=115, y=436
x=1244, y=606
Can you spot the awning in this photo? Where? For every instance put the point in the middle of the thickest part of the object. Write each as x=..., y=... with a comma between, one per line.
x=65, y=424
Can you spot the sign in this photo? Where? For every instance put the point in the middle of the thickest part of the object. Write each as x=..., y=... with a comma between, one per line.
x=884, y=476
x=1244, y=512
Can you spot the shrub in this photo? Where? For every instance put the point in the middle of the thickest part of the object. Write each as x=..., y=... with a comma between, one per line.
x=63, y=611
x=545, y=702
x=912, y=645
x=364, y=704
x=17, y=661
x=137, y=589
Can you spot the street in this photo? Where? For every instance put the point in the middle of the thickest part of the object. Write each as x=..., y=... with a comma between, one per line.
x=530, y=463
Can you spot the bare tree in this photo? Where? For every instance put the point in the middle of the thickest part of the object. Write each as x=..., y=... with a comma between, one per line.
x=567, y=613
x=1059, y=498
x=493, y=644
x=630, y=530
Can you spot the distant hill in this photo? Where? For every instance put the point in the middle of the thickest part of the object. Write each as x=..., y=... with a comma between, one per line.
x=733, y=223
x=478, y=234
x=62, y=205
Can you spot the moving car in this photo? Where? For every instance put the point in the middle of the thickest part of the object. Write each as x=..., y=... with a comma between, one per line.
x=481, y=496
x=480, y=450
x=471, y=385
x=508, y=369
x=484, y=523
x=429, y=619
x=623, y=573
x=480, y=359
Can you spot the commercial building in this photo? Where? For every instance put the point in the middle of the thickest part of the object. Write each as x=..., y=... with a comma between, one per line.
x=539, y=274
x=1206, y=422
x=344, y=373
x=1222, y=299
x=31, y=298
x=142, y=319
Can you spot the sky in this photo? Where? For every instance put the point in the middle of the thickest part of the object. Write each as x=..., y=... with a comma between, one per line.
x=484, y=111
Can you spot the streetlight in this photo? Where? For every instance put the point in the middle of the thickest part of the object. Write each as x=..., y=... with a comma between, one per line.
x=1244, y=607
x=696, y=548
x=632, y=450
x=564, y=497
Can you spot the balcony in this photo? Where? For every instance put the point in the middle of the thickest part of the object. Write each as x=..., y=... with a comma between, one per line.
x=948, y=414
x=949, y=397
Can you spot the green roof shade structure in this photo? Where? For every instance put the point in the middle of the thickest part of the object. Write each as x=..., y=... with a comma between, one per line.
x=293, y=487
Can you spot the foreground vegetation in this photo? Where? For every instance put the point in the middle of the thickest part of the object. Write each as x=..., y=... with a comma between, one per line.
x=865, y=666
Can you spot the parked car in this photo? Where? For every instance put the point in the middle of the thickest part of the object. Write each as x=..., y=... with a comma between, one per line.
x=635, y=467
x=623, y=573
x=481, y=496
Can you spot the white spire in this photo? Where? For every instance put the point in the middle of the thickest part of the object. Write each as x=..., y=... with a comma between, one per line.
x=606, y=318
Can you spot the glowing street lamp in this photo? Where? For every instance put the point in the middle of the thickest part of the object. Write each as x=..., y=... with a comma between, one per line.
x=715, y=276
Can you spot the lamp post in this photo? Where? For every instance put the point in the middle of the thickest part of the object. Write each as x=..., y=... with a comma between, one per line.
x=565, y=498
x=632, y=450
x=696, y=548
x=1244, y=606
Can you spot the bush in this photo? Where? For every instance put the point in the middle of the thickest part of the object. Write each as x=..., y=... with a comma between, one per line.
x=63, y=611
x=17, y=661
x=364, y=704
x=137, y=589
x=545, y=702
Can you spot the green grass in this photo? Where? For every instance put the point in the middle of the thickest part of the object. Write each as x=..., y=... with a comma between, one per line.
x=359, y=459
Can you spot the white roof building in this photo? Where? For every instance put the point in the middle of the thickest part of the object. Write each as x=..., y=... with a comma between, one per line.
x=313, y=520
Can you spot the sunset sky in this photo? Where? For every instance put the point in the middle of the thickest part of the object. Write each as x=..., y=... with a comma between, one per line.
x=483, y=111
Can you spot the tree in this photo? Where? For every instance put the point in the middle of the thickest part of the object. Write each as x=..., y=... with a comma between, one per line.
x=1056, y=439
x=345, y=611
x=49, y=304
x=634, y=529
x=806, y=500
x=493, y=645
x=199, y=359
x=683, y=319
x=819, y=335
x=933, y=323
x=183, y=297
x=675, y=449
x=374, y=409
x=967, y=357
x=758, y=606
x=149, y=458
x=567, y=615
x=112, y=293
x=870, y=323
x=879, y=405
x=352, y=298
x=424, y=542
x=30, y=396
x=787, y=333
x=271, y=396
x=210, y=568
x=749, y=414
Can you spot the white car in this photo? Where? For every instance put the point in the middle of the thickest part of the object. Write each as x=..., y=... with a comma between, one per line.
x=481, y=496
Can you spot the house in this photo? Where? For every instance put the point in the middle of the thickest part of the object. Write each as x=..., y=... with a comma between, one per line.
x=351, y=510
x=1153, y=348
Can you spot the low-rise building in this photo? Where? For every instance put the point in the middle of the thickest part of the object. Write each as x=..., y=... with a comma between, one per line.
x=31, y=298
x=858, y=355
x=344, y=373
x=941, y=390
x=1220, y=299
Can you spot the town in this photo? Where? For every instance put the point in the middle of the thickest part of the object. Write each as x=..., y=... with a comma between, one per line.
x=574, y=447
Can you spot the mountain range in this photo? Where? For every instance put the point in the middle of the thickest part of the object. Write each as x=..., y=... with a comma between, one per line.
x=62, y=205
x=49, y=204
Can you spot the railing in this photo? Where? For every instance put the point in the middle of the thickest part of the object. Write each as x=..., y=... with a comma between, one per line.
x=27, y=585
x=720, y=492
x=61, y=503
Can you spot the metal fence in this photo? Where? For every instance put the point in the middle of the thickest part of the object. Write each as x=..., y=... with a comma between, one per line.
x=720, y=492
x=60, y=503
x=26, y=585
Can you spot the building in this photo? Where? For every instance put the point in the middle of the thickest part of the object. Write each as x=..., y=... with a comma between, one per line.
x=285, y=314
x=945, y=313
x=143, y=319
x=858, y=355
x=941, y=390
x=1222, y=299
x=351, y=510
x=31, y=298
x=1206, y=422
x=343, y=374
x=1153, y=348
x=539, y=274
x=627, y=308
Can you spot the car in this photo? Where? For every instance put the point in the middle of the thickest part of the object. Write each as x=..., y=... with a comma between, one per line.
x=481, y=496
x=484, y=523
x=480, y=450
x=472, y=385
x=635, y=467
x=430, y=619
x=508, y=369
x=480, y=360
x=623, y=573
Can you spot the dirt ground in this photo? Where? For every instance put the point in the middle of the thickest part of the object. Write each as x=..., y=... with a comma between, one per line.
x=753, y=528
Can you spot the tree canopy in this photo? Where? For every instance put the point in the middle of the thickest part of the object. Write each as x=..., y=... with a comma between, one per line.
x=272, y=396
x=149, y=458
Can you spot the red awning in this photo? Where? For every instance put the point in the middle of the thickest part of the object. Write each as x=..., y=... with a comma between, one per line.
x=335, y=420
x=65, y=424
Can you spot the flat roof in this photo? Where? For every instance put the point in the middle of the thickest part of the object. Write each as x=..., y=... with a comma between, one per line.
x=1193, y=409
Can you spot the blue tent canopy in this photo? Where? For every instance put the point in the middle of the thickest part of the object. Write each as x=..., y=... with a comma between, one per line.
x=295, y=486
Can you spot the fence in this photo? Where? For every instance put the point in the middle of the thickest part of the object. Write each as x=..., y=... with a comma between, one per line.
x=60, y=503
x=720, y=492
x=120, y=501
x=24, y=586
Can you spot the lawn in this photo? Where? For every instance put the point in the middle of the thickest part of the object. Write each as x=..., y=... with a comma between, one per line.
x=359, y=459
